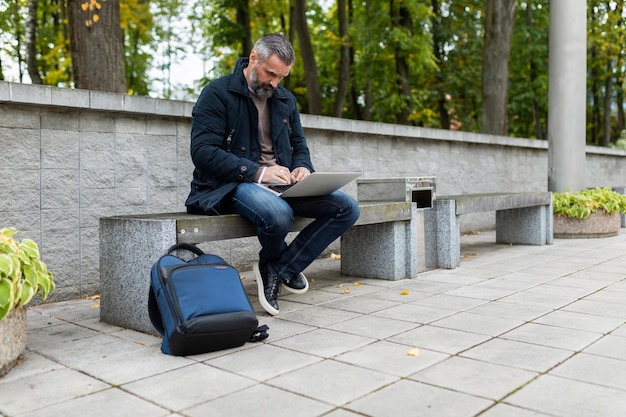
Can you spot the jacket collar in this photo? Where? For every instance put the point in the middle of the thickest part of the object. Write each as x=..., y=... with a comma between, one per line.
x=239, y=84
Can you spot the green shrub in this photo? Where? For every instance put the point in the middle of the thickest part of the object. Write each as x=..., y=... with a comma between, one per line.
x=581, y=204
x=22, y=273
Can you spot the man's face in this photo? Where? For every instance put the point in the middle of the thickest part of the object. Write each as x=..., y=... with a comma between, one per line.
x=265, y=76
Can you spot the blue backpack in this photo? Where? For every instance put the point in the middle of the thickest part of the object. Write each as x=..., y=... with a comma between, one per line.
x=200, y=305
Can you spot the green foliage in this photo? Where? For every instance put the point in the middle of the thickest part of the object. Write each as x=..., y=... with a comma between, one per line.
x=12, y=23
x=441, y=43
x=137, y=21
x=581, y=204
x=528, y=71
x=458, y=32
x=22, y=273
x=621, y=142
x=378, y=43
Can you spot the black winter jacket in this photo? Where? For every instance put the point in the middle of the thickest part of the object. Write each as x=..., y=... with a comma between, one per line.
x=225, y=142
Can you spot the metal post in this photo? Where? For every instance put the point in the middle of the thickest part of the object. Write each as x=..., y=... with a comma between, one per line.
x=567, y=79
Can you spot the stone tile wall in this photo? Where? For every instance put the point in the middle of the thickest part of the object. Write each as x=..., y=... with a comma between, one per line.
x=69, y=157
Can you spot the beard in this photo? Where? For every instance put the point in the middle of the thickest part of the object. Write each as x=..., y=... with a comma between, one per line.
x=261, y=90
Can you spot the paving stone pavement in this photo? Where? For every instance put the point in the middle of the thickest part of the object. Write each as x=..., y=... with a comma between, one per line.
x=515, y=331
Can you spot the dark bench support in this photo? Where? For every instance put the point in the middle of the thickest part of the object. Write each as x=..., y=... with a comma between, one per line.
x=521, y=218
x=129, y=246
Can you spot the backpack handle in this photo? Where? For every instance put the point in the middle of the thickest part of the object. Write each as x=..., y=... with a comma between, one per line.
x=186, y=246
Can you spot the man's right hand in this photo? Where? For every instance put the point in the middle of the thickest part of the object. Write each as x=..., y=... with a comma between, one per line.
x=277, y=173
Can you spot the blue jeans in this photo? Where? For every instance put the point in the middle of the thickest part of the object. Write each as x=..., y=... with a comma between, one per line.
x=333, y=213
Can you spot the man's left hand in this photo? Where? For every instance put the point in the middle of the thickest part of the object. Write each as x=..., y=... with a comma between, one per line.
x=299, y=174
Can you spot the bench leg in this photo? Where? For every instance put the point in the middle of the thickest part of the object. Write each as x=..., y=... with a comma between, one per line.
x=443, y=224
x=383, y=250
x=525, y=226
x=128, y=249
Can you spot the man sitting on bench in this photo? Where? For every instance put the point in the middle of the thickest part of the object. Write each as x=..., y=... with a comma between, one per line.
x=246, y=129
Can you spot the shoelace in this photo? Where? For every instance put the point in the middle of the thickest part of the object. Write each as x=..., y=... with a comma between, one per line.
x=275, y=290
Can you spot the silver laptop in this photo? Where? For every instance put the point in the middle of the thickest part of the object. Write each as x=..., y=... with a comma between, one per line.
x=318, y=183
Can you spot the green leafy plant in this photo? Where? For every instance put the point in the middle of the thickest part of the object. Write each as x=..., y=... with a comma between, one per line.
x=581, y=204
x=22, y=273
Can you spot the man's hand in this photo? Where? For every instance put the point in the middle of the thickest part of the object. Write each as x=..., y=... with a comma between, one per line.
x=299, y=174
x=277, y=173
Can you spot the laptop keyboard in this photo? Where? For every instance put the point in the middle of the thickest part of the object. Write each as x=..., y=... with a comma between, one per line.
x=280, y=188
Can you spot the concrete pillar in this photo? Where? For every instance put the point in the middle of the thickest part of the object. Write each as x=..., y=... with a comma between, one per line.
x=567, y=92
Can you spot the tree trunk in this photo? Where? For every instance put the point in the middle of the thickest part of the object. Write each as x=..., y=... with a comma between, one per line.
x=97, y=47
x=31, y=43
x=344, y=60
x=314, y=98
x=499, y=19
x=619, y=87
x=533, y=75
x=608, y=84
x=401, y=17
x=595, y=100
x=243, y=19
x=18, y=25
x=438, y=45
x=619, y=79
x=290, y=35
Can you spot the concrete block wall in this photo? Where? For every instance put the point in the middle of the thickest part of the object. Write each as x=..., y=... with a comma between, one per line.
x=70, y=157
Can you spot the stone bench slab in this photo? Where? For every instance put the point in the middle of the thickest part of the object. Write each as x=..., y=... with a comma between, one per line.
x=479, y=203
x=521, y=218
x=129, y=246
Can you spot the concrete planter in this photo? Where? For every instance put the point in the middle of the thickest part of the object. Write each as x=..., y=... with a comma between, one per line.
x=12, y=339
x=598, y=224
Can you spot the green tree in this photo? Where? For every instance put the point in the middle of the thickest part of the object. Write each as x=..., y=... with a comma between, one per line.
x=137, y=21
x=314, y=98
x=454, y=88
x=12, y=22
x=168, y=40
x=393, y=50
x=606, y=35
x=499, y=18
x=344, y=10
x=97, y=45
x=528, y=72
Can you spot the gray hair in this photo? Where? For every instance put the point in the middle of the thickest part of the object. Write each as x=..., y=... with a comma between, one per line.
x=275, y=44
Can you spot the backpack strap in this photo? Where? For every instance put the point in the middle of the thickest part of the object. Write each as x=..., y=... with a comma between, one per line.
x=186, y=246
x=259, y=334
x=153, y=311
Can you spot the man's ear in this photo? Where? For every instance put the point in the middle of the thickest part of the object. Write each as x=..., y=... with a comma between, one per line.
x=254, y=56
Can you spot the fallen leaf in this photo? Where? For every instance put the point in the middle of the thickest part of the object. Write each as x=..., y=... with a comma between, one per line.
x=335, y=256
x=413, y=352
x=339, y=285
x=357, y=284
x=96, y=305
x=346, y=291
x=405, y=292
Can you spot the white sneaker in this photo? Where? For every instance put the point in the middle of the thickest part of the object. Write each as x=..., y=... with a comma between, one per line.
x=297, y=285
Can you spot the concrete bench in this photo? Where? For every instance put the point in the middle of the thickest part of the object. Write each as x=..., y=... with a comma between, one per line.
x=521, y=218
x=382, y=244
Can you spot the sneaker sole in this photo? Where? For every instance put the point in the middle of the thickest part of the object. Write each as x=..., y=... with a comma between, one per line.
x=295, y=291
x=259, y=282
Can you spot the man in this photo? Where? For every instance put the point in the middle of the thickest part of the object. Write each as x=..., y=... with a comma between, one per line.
x=246, y=129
